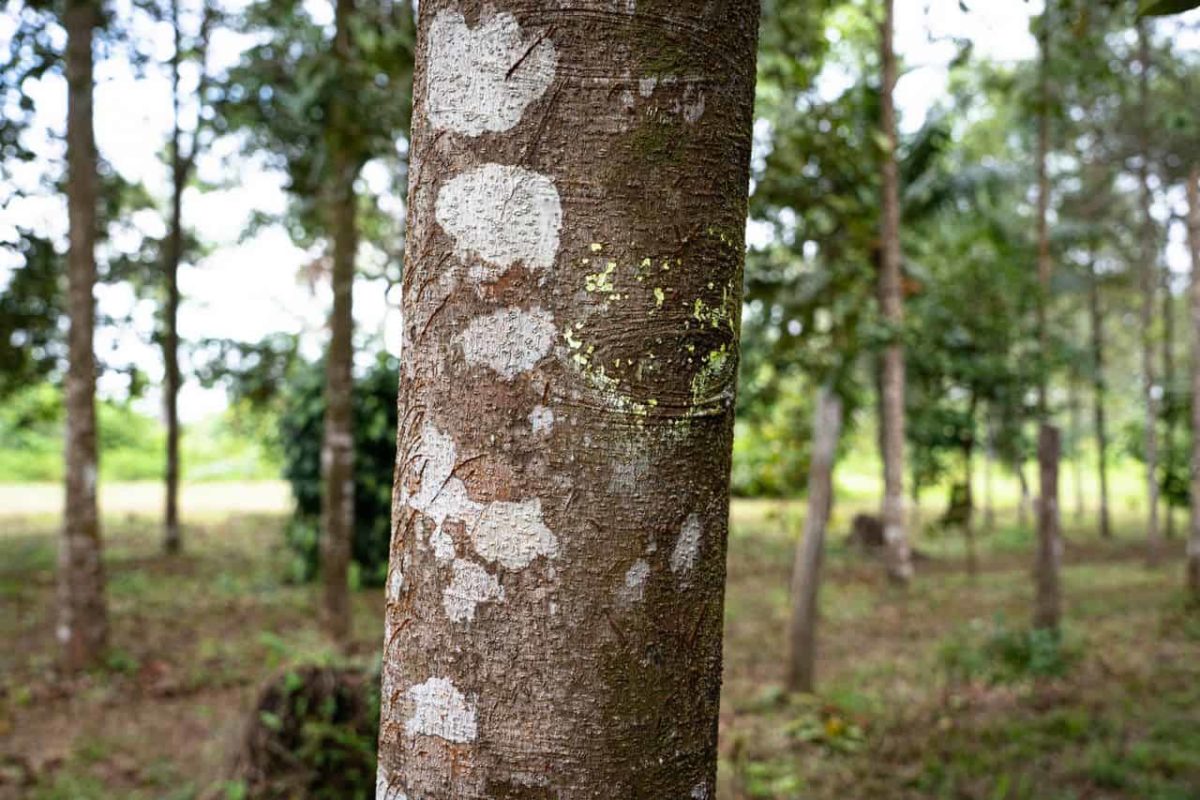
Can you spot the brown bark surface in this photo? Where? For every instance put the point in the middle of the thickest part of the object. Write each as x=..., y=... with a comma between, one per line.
x=806, y=570
x=1049, y=547
x=1193, y=227
x=1099, y=391
x=1148, y=274
x=173, y=255
x=337, y=453
x=899, y=558
x=571, y=302
x=1047, y=613
x=82, y=619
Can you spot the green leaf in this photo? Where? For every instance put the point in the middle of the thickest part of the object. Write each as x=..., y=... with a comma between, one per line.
x=1162, y=8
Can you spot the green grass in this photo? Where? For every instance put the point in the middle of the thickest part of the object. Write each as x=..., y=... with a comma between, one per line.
x=936, y=693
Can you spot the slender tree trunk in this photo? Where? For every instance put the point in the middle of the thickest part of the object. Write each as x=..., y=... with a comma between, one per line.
x=806, y=571
x=1149, y=257
x=1168, y=397
x=337, y=454
x=989, y=465
x=1099, y=390
x=899, y=559
x=1048, y=601
x=1026, y=502
x=82, y=618
x=1076, y=446
x=969, y=519
x=170, y=342
x=571, y=308
x=1193, y=226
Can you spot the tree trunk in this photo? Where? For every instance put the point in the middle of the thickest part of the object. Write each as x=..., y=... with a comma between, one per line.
x=1148, y=283
x=1076, y=448
x=572, y=307
x=170, y=343
x=337, y=450
x=969, y=519
x=1168, y=396
x=82, y=618
x=1026, y=502
x=1193, y=219
x=1099, y=389
x=899, y=559
x=1048, y=602
x=1046, y=611
x=806, y=571
x=989, y=464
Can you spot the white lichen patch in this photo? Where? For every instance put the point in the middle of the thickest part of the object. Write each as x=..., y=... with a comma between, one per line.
x=514, y=534
x=509, y=341
x=646, y=86
x=441, y=495
x=541, y=419
x=692, y=107
x=441, y=710
x=700, y=791
x=482, y=79
x=384, y=790
x=502, y=216
x=634, y=587
x=687, y=546
x=442, y=544
x=469, y=586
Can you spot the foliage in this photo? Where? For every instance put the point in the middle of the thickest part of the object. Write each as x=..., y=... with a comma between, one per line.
x=301, y=424
x=1006, y=655
x=314, y=736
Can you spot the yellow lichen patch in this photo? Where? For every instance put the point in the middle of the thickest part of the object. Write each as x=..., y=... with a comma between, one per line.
x=602, y=281
x=659, y=296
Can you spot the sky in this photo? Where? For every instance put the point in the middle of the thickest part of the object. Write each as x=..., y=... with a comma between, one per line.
x=247, y=289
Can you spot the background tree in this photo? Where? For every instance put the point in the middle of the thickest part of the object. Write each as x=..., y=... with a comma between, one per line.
x=891, y=299
x=83, y=622
x=292, y=93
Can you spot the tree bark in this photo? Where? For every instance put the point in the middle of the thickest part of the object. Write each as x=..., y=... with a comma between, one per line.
x=1046, y=611
x=1099, y=390
x=1148, y=283
x=806, y=571
x=1168, y=396
x=969, y=483
x=572, y=307
x=1193, y=227
x=1076, y=448
x=899, y=558
x=337, y=453
x=82, y=617
x=170, y=343
x=1048, y=602
x=989, y=464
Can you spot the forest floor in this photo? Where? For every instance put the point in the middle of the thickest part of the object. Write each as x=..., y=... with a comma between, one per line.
x=934, y=693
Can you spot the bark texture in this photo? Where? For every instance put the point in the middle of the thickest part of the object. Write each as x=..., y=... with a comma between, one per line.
x=1049, y=548
x=571, y=302
x=1193, y=228
x=1047, y=613
x=806, y=571
x=1099, y=392
x=82, y=618
x=899, y=558
x=173, y=255
x=337, y=448
x=1148, y=273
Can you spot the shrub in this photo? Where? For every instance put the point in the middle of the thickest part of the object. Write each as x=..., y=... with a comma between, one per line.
x=1006, y=655
x=301, y=427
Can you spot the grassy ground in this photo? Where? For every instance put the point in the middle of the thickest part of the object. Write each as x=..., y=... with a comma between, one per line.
x=933, y=694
